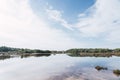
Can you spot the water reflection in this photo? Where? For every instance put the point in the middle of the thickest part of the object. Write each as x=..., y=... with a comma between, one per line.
x=60, y=67
x=35, y=55
x=4, y=57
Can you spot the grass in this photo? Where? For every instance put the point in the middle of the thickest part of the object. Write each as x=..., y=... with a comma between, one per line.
x=116, y=72
x=100, y=68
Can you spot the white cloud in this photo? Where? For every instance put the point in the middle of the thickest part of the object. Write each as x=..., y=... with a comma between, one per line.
x=20, y=27
x=103, y=19
x=56, y=15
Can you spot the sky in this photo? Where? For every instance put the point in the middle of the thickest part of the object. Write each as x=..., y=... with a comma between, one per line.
x=60, y=24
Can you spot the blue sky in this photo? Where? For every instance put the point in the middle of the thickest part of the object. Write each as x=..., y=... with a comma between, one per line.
x=60, y=25
x=69, y=8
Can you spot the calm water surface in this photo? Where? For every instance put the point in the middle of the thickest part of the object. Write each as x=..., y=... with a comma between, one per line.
x=59, y=67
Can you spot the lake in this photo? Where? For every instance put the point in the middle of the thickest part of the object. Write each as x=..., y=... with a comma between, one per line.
x=59, y=67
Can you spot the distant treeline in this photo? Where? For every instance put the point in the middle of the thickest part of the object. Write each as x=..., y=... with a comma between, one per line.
x=75, y=51
x=20, y=50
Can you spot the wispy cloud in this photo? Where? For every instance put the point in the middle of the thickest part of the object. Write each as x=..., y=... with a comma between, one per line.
x=102, y=19
x=56, y=15
x=99, y=22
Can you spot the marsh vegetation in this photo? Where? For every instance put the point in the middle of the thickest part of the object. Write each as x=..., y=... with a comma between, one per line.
x=116, y=72
x=101, y=68
x=97, y=52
